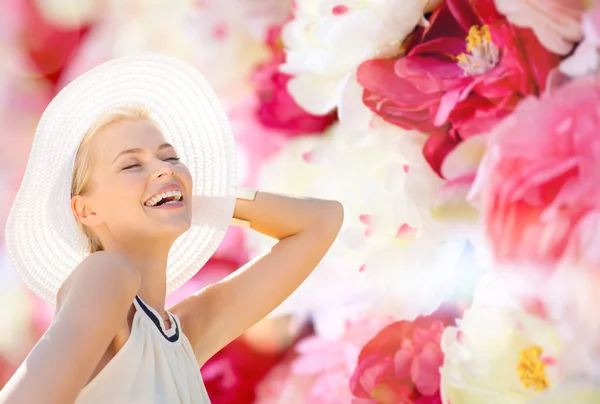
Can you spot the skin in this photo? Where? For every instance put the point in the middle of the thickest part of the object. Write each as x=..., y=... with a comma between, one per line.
x=94, y=306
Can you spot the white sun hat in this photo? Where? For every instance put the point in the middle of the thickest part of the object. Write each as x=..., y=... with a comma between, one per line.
x=43, y=240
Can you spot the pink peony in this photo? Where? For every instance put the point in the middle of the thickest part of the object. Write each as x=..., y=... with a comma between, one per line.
x=401, y=363
x=538, y=184
x=459, y=76
x=319, y=371
x=277, y=109
x=556, y=23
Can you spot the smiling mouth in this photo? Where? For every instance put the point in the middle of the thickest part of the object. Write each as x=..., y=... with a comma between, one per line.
x=166, y=198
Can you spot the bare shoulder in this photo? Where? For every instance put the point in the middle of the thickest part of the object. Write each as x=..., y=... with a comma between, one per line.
x=92, y=307
x=102, y=275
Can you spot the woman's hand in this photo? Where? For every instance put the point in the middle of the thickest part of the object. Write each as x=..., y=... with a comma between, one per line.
x=305, y=228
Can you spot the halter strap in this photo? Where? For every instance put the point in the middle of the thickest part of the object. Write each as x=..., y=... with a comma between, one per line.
x=158, y=321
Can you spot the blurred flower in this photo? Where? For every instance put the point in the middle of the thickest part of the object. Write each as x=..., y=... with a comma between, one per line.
x=556, y=23
x=256, y=144
x=70, y=14
x=458, y=77
x=570, y=298
x=401, y=363
x=586, y=59
x=7, y=369
x=319, y=371
x=459, y=168
x=233, y=374
x=277, y=109
x=205, y=37
x=538, y=183
x=256, y=16
x=48, y=44
x=580, y=392
x=498, y=352
x=327, y=40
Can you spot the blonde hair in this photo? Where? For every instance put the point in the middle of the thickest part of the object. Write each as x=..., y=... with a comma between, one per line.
x=82, y=171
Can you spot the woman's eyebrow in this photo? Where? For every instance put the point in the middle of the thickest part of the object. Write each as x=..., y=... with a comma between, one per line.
x=138, y=150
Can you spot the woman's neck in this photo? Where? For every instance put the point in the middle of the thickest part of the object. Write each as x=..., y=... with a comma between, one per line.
x=151, y=262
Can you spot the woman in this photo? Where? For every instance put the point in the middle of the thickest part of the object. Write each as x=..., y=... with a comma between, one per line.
x=129, y=189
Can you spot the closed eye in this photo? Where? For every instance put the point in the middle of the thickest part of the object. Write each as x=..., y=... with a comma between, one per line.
x=175, y=159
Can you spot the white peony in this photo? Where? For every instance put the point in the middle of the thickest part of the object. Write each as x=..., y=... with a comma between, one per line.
x=586, y=57
x=572, y=392
x=327, y=41
x=571, y=297
x=498, y=353
x=391, y=257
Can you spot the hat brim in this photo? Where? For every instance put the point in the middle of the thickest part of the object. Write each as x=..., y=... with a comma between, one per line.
x=43, y=241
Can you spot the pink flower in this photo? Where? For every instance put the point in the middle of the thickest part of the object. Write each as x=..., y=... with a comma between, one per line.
x=50, y=47
x=401, y=363
x=255, y=143
x=277, y=109
x=539, y=181
x=459, y=76
x=319, y=371
x=7, y=369
x=231, y=375
x=556, y=23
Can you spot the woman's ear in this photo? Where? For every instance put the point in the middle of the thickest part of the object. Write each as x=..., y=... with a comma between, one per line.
x=84, y=212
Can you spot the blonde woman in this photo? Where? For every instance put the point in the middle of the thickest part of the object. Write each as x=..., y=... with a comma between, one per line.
x=128, y=191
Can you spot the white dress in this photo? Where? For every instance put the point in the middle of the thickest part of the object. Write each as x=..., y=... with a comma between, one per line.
x=154, y=366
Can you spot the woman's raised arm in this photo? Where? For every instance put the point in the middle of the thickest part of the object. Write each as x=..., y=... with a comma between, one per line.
x=94, y=303
x=305, y=228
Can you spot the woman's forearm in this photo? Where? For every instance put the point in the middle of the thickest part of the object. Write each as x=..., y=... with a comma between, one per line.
x=280, y=216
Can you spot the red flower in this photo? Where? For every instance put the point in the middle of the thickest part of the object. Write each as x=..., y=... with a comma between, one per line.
x=231, y=376
x=277, y=109
x=401, y=363
x=452, y=88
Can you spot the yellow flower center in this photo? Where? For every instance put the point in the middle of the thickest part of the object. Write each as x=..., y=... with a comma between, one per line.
x=482, y=54
x=532, y=371
x=478, y=37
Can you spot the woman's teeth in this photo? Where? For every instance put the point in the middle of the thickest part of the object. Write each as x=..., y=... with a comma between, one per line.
x=175, y=197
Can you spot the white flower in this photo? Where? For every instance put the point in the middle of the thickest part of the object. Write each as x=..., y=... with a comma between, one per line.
x=391, y=257
x=556, y=23
x=498, y=353
x=573, y=392
x=220, y=48
x=586, y=58
x=570, y=297
x=327, y=40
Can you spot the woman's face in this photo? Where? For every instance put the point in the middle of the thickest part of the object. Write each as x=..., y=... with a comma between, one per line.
x=139, y=191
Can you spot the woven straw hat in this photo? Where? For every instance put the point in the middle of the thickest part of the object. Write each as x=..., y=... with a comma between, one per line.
x=43, y=240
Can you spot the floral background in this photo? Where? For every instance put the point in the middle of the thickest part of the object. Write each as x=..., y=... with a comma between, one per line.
x=462, y=137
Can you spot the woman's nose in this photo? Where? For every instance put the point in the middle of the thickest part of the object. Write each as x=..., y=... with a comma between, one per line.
x=164, y=169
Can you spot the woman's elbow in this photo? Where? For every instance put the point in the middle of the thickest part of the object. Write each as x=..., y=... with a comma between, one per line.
x=332, y=218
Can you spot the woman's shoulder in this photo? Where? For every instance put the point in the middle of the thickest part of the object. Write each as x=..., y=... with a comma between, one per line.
x=102, y=275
